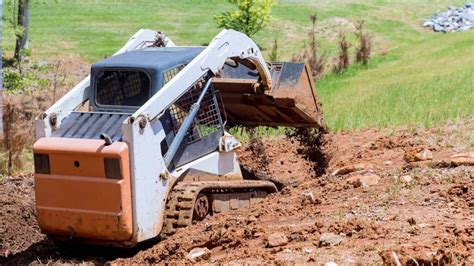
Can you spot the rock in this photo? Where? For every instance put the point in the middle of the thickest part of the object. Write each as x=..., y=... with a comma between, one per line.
x=468, y=16
x=388, y=162
x=198, y=254
x=411, y=221
x=352, y=168
x=330, y=263
x=276, y=240
x=307, y=250
x=406, y=179
x=330, y=239
x=454, y=19
x=313, y=197
x=417, y=155
x=466, y=158
x=428, y=23
x=423, y=225
x=365, y=180
x=424, y=155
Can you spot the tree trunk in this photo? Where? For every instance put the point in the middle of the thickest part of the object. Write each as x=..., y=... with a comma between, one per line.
x=1, y=75
x=24, y=23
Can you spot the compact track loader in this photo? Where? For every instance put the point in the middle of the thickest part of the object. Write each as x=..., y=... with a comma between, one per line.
x=151, y=153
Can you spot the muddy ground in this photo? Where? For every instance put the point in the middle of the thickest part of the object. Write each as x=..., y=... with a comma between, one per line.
x=379, y=201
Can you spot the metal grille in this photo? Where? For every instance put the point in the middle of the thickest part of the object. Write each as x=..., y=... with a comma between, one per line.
x=207, y=120
x=170, y=73
x=128, y=88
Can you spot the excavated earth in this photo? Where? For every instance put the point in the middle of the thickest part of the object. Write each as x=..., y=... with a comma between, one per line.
x=407, y=211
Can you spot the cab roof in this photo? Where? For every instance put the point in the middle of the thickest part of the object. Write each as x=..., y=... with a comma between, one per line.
x=157, y=58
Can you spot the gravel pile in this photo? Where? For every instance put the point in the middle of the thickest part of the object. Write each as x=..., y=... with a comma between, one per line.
x=455, y=19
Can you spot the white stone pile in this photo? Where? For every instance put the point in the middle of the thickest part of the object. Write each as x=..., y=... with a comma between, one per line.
x=455, y=19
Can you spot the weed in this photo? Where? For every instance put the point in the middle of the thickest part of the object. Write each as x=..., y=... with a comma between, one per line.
x=16, y=135
x=395, y=189
x=364, y=49
x=273, y=56
x=341, y=215
x=342, y=61
x=314, y=58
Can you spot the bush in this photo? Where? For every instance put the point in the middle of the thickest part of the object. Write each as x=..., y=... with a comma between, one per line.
x=342, y=61
x=27, y=95
x=314, y=58
x=250, y=17
x=274, y=53
x=16, y=134
x=23, y=78
x=363, y=51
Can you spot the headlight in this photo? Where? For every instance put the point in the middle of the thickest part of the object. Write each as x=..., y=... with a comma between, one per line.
x=42, y=163
x=112, y=168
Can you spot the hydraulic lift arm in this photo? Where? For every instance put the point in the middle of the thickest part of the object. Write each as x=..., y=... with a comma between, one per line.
x=227, y=44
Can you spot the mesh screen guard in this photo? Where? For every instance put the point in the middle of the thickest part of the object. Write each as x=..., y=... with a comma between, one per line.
x=208, y=119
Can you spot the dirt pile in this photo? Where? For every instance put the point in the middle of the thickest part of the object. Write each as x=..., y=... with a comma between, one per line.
x=386, y=216
x=17, y=215
x=287, y=168
x=416, y=212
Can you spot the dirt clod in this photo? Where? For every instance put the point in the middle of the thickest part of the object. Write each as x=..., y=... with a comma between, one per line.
x=364, y=180
x=330, y=239
x=197, y=254
x=277, y=239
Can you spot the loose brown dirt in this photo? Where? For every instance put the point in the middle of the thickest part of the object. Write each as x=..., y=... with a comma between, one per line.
x=429, y=219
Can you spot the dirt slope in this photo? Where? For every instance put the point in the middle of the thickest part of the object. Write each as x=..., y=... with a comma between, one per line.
x=429, y=218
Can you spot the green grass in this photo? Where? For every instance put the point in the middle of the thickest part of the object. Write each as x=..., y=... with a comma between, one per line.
x=425, y=83
x=425, y=79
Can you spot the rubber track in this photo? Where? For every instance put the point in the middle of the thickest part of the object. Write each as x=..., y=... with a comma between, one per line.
x=180, y=203
x=179, y=207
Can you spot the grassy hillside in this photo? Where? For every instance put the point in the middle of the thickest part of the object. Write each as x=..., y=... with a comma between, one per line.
x=424, y=83
x=425, y=78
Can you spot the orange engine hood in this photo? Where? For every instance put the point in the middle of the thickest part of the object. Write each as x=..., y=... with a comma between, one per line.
x=76, y=199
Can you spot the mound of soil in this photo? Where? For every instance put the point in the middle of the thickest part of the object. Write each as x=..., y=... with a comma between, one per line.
x=266, y=161
x=369, y=220
x=17, y=215
x=411, y=213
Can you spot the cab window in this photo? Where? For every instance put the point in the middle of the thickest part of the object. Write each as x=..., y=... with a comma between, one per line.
x=170, y=73
x=122, y=88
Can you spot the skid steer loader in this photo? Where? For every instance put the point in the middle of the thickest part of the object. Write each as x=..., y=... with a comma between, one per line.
x=151, y=154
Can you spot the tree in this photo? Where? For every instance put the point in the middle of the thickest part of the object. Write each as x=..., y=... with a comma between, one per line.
x=1, y=74
x=250, y=17
x=22, y=25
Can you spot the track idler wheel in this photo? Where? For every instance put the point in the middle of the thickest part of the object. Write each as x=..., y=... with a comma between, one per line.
x=201, y=207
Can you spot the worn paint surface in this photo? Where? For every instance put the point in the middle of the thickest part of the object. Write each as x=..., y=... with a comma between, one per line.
x=76, y=199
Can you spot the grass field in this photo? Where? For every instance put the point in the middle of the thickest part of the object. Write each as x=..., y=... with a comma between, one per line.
x=425, y=78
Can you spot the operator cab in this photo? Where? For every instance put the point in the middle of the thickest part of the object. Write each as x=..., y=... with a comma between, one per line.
x=121, y=84
x=124, y=82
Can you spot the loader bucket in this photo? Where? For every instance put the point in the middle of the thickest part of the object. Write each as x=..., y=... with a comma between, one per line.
x=291, y=102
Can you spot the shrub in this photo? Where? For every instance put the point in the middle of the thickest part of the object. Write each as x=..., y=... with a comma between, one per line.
x=16, y=134
x=314, y=58
x=363, y=51
x=342, y=61
x=250, y=17
x=274, y=53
